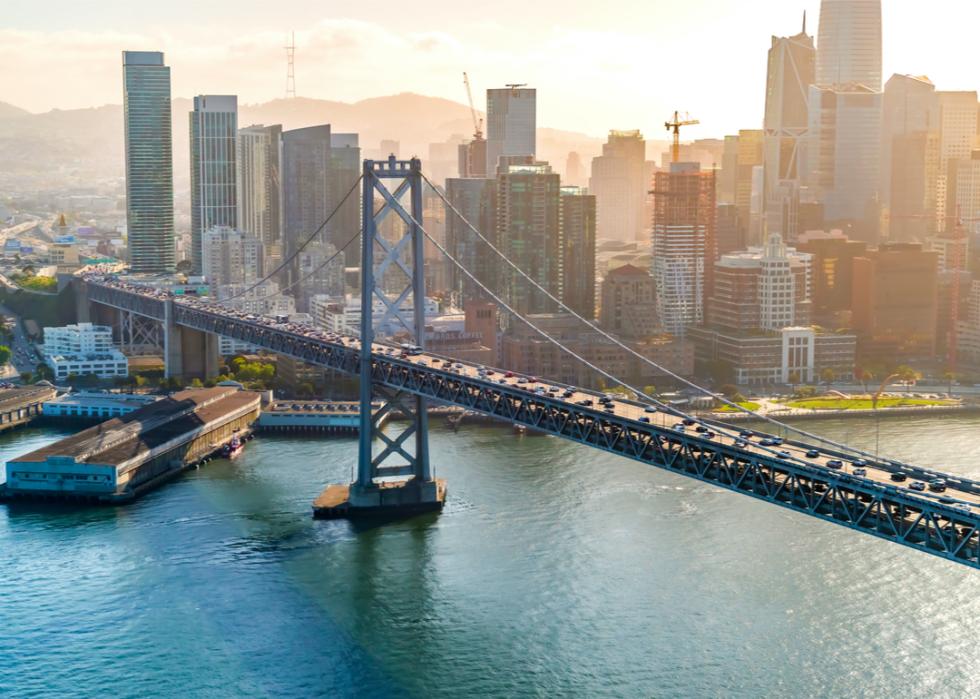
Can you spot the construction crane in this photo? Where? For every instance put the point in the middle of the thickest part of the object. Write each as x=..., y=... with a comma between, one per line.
x=675, y=126
x=477, y=121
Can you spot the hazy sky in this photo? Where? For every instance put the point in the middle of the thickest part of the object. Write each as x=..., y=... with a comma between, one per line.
x=597, y=65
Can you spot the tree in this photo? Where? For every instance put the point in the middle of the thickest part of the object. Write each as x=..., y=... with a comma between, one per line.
x=827, y=376
x=139, y=380
x=26, y=377
x=4, y=355
x=44, y=372
x=949, y=377
x=907, y=375
x=184, y=267
x=865, y=377
x=794, y=378
x=197, y=383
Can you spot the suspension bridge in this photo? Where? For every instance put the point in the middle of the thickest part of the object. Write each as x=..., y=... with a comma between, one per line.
x=806, y=473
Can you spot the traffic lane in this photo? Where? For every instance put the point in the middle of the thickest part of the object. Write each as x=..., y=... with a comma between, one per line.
x=724, y=436
x=626, y=410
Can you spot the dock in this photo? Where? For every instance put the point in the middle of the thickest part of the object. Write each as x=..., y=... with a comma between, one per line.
x=330, y=417
x=120, y=459
x=19, y=406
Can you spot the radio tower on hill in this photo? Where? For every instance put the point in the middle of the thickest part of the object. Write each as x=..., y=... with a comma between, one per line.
x=291, y=66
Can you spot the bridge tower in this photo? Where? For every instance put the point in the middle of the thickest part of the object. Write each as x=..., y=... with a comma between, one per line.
x=396, y=477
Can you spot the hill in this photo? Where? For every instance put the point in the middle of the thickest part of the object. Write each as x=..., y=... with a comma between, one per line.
x=92, y=139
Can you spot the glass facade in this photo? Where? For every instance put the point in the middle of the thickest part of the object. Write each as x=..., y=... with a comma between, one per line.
x=149, y=162
x=213, y=141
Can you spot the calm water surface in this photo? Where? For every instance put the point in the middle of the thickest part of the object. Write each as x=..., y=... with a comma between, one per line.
x=555, y=570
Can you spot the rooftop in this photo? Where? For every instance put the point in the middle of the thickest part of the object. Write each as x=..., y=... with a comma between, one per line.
x=116, y=441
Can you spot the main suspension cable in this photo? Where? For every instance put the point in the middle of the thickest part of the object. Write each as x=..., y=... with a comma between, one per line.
x=631, y=351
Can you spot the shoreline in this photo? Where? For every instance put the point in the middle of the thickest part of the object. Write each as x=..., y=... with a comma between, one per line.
x=800, y=414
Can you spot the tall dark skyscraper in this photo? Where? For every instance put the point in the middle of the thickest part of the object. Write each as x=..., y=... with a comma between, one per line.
x=149, y=162
x=577, y=222
x=475, y=199
x=305, y=187
x=213, y=141
x=528, y=232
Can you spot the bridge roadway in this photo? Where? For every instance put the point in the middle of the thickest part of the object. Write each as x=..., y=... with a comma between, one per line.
x=946, y=524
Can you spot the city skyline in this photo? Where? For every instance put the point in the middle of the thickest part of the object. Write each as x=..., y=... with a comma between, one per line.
x=347, y=59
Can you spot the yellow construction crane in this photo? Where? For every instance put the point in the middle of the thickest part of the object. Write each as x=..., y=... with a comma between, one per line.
x=477, y=122
x=675, y=126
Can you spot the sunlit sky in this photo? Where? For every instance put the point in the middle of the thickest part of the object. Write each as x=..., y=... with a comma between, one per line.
x=597, y=65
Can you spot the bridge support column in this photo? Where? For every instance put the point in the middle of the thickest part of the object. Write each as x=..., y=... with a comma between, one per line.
x=187, y=353
x=398, y=480
x=82, y=303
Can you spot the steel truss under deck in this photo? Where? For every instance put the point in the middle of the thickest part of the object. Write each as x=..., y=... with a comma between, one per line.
x=887, y=512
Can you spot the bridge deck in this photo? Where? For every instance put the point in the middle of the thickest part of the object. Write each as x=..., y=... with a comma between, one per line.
x=945, y=524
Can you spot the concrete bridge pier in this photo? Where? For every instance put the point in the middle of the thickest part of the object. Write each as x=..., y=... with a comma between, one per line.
x=188, y=353
x=82, y=305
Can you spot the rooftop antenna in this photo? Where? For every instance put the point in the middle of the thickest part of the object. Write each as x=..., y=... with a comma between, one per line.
x=291, y=66
x=804, y=21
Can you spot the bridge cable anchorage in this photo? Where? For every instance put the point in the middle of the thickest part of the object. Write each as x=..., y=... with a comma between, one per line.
x=668, y=409
x=803, y=433
x=302, y=247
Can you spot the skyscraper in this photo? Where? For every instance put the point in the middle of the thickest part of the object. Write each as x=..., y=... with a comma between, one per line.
x=683, y=244
x=305, y=187
x=750, y=154
x=528, y=232
x=957, y=137
x=792, y=69
x=619, y=187
x=149, y=162
x=345, y=168
x=230, y=257
x=213, y=137
x=511, y=123
x=849, y=43
x=843, y=156
x=474, y=198
x=259, y=207
x=577, y=223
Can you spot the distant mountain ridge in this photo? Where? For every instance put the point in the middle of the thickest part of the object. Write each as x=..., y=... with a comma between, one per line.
x=93, y=137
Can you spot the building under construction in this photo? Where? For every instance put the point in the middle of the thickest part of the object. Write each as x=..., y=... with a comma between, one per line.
x=684, y=245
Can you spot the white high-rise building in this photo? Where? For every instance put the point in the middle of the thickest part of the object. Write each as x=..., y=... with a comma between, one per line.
x=844, y=156
x=511, y=124
x=230, y=256
x=849, y=43
x=777, y=286
x=81, y=350
x=259, y=207
x=213, y=138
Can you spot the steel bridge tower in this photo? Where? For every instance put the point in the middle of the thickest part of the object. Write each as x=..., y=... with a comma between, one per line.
x=397, y=479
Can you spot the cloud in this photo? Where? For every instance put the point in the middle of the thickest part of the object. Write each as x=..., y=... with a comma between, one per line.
x=588, y=80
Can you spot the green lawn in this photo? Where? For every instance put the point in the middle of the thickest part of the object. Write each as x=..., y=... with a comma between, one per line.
x=747, y=404
x=834, y=403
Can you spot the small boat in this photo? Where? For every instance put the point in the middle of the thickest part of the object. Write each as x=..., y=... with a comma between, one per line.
x=233, y=448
